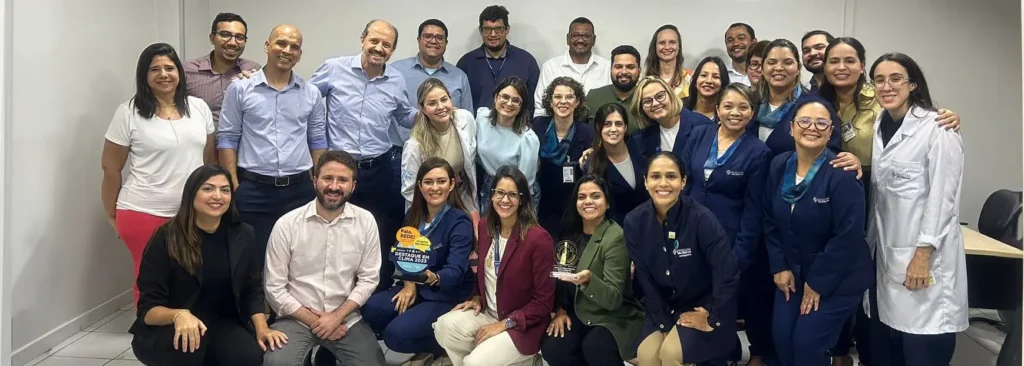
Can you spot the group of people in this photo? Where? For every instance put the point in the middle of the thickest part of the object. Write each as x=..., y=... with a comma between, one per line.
x=587, y=211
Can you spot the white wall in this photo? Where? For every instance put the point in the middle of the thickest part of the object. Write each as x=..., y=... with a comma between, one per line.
x=74, y=62
x=965, y=47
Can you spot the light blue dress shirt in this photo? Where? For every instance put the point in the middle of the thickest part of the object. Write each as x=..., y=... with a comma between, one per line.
x=414, y=73
x=273, y=131
x=360, y=110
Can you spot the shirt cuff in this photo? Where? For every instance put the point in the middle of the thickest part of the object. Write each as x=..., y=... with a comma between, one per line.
x=318, y=144
x=289, y=309
x=926, y=240
x=227, y=144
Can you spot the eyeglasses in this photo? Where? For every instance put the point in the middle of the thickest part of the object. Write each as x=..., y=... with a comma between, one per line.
x=227, y=36
x=820, y=124
x=432, y=182
x=583, y=36
x=495, y=30
x=500, y=194
x=508, y=99
x=661, y=97
x=568, y=98
x=439, y=38
x=894, y=81
x=754, y=65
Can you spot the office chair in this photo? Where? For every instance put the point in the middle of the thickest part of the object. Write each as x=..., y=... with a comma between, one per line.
x=998, y=220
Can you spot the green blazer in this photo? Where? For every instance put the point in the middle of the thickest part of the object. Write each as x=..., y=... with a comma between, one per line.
x=607, y=300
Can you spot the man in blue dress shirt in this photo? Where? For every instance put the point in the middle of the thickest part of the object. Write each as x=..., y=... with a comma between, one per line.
x=364, y=99
x=496, y=60
x=272, y=128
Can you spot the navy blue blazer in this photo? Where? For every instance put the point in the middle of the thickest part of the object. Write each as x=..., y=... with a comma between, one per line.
x=780, y=140
x=624, y=197
x=695, y=268
x=451, y=242
x=555, y=195
x=649, y=139
x=734, y=191
x=821, y=239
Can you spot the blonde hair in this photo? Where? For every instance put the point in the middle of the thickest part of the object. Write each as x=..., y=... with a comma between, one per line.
x=675, y=105
x=425, y=134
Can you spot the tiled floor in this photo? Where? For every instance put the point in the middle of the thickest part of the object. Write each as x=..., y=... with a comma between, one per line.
x=108, y=343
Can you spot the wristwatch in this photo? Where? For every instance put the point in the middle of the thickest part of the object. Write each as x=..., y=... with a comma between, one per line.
x=509, y=323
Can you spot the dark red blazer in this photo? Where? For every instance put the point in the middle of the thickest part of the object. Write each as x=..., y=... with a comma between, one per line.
x=526, y=290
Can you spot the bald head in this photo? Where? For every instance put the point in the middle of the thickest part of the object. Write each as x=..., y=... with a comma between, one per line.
x=284, y=47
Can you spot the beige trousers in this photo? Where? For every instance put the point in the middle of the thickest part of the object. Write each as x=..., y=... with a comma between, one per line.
x=456, y=330
x=660, y=349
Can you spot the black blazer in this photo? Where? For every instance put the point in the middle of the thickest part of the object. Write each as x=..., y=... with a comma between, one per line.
x=164, y=282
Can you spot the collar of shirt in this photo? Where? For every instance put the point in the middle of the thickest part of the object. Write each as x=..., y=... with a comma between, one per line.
x=567, y=60
x=419, y=64
x=260, y=78
x=505, y=53
x=206, y=63
x=311, y=213
x=357, y=64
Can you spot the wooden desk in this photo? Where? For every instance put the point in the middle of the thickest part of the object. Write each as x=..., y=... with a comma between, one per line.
x=977, y=244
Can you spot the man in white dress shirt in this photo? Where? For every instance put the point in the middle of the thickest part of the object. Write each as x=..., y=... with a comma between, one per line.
x=322, y=265
x=738, y=38
x=579, y=63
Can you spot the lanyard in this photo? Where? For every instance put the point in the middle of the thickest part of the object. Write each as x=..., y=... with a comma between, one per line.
x=497, y=254
x=494, y=74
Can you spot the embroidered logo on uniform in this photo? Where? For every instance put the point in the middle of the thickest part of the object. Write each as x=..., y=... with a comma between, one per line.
x=820, y=199
x=900, y=175
x=683, y=252
x=734, y=173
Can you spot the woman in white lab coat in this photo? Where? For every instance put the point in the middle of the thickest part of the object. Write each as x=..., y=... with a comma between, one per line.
x=914, y=228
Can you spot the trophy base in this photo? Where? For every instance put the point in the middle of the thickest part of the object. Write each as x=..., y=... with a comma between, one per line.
x=565, y=275
x=416, y=278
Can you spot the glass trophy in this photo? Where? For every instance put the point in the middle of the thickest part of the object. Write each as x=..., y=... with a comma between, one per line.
x=566, y=259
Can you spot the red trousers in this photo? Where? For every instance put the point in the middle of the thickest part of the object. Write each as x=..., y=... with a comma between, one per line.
x=135, y=228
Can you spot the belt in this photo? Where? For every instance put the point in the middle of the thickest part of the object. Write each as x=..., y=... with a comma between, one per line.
x=382, y=159
x=282, y=181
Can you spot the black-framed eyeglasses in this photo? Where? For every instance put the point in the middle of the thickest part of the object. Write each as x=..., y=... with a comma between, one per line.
x=500, y=194
x=583, y=36
x=227, y=36
x=495, y=30
x=819, y=124
x=439, y=38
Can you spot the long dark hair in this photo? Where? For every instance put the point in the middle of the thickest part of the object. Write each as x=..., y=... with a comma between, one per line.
x=651, y=64
x=599, y=157
x=572, y=222
x=522, y=120
x=183, y=243
x=418, y=209
x=144, y=100
x=919, y=97
x=723, y=77
x=525, y=216
x=827, y=90
x=763, y=89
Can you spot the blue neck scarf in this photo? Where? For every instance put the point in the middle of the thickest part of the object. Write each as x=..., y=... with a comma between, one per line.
x=554, y=150
x=713, y=161
x=792, y=192
x=768, y=118
x=424, y=230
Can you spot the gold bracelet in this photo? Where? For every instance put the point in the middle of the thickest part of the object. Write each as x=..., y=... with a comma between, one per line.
x=175, y=317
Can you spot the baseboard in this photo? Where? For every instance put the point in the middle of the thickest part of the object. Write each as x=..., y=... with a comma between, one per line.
x=54, y=337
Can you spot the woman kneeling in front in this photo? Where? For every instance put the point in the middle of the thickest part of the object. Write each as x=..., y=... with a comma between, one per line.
x=403, y=315
x=597, y=318
x=201, y=284
x=814, y=233
x=505, y=318
x=686, y=270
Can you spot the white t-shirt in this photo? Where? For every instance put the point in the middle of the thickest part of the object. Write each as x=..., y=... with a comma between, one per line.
x=668, y=137
x=762, y=131
x=161, y=155
x=491, y=276
x=626, y=169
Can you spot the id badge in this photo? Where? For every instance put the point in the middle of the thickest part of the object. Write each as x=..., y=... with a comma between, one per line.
x=568, y=174
x=848, y=132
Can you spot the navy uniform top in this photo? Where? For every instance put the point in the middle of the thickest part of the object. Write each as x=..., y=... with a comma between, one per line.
x=780, y=140
x=650, y=138
x=734, y=190
x=451, y=242
x=684, y=263
x=624, y=197
x=821, y=237
x=555, y=189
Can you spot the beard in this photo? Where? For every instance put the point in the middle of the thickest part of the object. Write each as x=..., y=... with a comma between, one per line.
x=494, y=49
x=624, y=87
x=321, y=196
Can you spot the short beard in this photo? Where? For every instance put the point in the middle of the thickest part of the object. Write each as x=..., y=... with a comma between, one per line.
x=624, y=87
x=331, y=207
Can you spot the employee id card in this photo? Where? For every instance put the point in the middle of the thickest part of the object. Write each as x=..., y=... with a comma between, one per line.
x=848, y=132
x=568, y=174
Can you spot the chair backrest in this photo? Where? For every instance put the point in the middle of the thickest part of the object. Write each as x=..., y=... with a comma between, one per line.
x=999, y=216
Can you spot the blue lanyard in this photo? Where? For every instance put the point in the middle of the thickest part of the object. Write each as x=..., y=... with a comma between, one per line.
x=497, y=254
x=494, y=74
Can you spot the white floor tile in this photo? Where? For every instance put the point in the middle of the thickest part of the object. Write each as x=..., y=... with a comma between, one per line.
x=127, y=355
x=103, y=321
x=72, y=361
x=970, y=353
x=37, y=360
x=124, y=363
x=120, y=324
x=98, y=345
x=129, y=307
x=67, y=342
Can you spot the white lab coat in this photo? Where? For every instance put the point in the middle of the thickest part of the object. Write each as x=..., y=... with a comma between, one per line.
x=916, y=182
x=412, y=157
